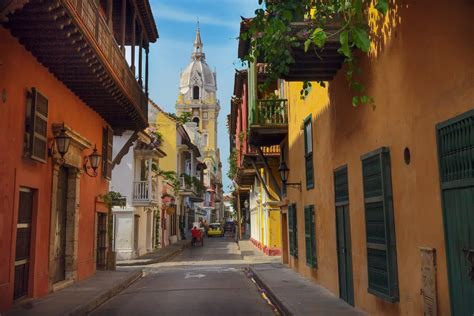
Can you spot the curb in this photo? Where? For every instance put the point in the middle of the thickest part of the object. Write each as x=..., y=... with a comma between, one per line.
x=106, y=295
x=157, y=260
x=270, y=293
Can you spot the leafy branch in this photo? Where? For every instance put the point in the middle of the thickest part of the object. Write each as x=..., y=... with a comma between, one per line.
x=273, y=39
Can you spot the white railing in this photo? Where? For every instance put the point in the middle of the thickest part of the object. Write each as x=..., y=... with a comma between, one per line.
x=142, y=192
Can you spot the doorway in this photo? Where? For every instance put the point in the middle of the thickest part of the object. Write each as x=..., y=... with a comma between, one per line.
x=343, y=232
x=23, y=243
x=136, y=225
x=101, y=241
x=59, y=273
x=284, y=237
x=455, y=152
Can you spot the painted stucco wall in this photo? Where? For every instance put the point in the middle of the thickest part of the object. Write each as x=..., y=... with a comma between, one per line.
x=417, y=81
x=20, y=71
x=167, y=128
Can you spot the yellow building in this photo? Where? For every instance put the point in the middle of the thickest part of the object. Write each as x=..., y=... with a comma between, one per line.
x=381, y=200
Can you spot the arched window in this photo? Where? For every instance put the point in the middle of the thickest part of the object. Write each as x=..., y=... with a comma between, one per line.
x=196, y=93
x=196, y=120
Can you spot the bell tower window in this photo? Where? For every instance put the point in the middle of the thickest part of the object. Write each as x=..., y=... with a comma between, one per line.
x=196, y=93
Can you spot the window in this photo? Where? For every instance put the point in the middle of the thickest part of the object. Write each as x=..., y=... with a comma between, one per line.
x=310, y=235
x=36, y=126
x=196, y=120
x=107, y=140
x=308, y=152
x=380, y=225
x=293, y=230
x=196, y=93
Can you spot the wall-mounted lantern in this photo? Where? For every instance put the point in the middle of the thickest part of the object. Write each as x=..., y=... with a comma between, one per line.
x=62, y=142
x=92, y=162
x=284, y=172
x=246, y=204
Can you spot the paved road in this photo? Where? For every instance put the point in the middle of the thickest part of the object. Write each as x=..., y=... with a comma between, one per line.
x=199, y=281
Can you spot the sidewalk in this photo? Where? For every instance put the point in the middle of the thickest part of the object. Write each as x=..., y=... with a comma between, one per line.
x=80, y=298
x=251, y=253
x=295, y=295
x=156, y=256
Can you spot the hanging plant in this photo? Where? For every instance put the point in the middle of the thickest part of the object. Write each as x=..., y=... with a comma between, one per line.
x=273, y=39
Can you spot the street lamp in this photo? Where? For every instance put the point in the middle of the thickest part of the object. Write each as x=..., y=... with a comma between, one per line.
x=61, y=141
x=94, y=160
x=284, y=172
x=246, y=204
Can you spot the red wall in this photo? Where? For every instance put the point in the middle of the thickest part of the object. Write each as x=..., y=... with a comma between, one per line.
x=20, y=71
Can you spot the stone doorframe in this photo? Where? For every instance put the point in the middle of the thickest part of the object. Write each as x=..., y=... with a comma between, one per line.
x=72, y=161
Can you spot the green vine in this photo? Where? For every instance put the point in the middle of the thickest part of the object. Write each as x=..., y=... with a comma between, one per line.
x=273, y=39
x=232, y=165
x=184, y=118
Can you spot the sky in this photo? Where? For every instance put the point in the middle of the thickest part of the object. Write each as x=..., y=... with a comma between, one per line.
x=220, y=22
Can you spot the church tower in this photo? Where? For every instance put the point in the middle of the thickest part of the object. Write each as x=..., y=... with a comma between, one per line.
x=197, y=95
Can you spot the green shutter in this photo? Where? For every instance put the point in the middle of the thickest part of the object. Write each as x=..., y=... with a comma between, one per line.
x=39, y=127
x=292, y=230
x=310, y=238
x=380, y=225
x=308, y=155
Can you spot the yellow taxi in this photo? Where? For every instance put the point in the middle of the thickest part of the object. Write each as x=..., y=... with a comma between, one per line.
x=215, y=229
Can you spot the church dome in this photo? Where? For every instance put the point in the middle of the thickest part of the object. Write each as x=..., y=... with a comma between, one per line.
x=197, y=73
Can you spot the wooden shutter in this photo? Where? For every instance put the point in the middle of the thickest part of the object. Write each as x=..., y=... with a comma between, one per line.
x=107, y=140
x=380, y=225
x=292, y=229
x=308, y=152
x=310, y=238
x=39, y=127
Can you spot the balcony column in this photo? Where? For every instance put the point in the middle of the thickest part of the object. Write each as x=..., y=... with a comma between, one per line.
x=134, y=39
x=140, y=58
x=150, y=191
x=147, y=51
x=193, y=166
x=110, y=6
x=123, y=22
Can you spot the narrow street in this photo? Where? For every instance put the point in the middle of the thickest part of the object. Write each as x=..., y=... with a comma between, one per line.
x=203, y=281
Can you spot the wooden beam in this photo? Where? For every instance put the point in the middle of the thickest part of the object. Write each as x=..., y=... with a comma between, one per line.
x=123, y=21
x=140, y=67
x=124, y=150
x=134, y=31
x=147, y=50
x=110, y=10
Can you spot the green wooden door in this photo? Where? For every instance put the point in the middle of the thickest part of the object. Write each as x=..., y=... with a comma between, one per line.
x=343, y=230
x=456, y=162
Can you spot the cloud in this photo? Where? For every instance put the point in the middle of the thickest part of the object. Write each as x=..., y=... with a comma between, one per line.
x=171, y=14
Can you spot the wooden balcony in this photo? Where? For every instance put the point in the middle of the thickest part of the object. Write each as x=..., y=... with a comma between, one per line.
x=269, y=122
x=144, y=193
x=315, y=64
x=73, y=40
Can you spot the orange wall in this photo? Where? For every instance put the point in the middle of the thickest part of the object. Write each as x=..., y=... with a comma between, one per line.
x=20, y=71
x=423, y=75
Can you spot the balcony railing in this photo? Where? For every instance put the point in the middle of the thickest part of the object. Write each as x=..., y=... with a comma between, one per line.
x=89, y=14
x=73, y=40
x=143, y=192
x=271, y=112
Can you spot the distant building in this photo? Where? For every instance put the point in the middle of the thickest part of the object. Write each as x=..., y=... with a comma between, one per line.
x=197, y=97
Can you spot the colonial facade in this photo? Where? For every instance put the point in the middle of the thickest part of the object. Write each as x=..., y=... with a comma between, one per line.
x=197, y=97
x=257, y=156
x=65, y=89
x=380, y=210
x=137, y=216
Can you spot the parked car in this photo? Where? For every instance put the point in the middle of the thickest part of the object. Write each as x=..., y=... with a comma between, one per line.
x=215, y=229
